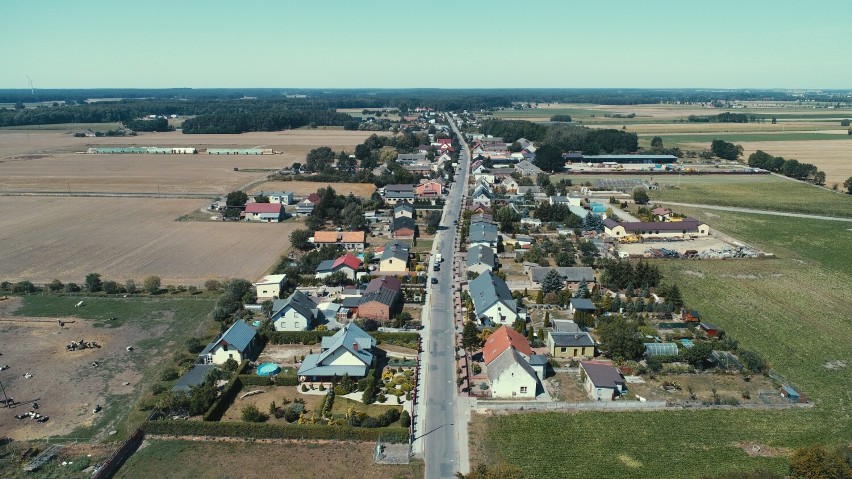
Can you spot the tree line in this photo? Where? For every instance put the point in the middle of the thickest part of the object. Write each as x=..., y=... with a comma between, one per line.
x=791, y=168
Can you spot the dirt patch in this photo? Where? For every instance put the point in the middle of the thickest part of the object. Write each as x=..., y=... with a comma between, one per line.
x=692, y=272
x=762, y=450
x=130, y=238
x=835, y=364
x=64, y=383
x=304, y=188
x=284, y=354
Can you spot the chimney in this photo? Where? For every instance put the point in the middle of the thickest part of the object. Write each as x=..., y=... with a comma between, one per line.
x=355, y=346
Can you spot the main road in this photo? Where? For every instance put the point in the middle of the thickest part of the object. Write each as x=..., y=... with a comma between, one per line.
x=441, y=430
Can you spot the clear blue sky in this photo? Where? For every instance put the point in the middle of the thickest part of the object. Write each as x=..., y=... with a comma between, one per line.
x=448, y=44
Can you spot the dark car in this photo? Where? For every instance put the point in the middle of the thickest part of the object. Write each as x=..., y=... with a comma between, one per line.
x=434, y=280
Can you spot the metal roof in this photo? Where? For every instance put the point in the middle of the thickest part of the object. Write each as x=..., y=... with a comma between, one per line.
x=488, y=289
x=298, y=301
x=583, y=304
x=351, y=338
x=480, y=254
x=602, y=375
x=573, y=274
x=239, y=335
x=578, y=339
x=482, y=232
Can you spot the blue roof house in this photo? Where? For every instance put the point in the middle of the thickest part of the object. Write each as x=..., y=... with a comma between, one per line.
x=239, y=342
x=349, y=351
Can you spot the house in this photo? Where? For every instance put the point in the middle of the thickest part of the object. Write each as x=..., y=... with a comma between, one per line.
x=296, y=313
x=572, y=275
x=661, y=213
x=239, y=342
x=306, y=206
x=484, y=234
x=534, y=222
x=270, y=286
x=511, y=376
x=264, y=212
x=669, y=229
x=344, y=240
x=348, y=264
x=523, y=242
x=394, y=258
x=579, y=211
x=403, y=228
x=711, y=329
x=403, y=210
x=348, y=352
x=481, y=218
x=691, y=316
x=381, y=300
x=602, y=381
x=570, y=344
x=480, y=259
x=482, y=195
x=510, y=184
x=408, y=158
x=660, y=349
x=280, y=197
x=492, y=301
x=477, y=207
x=502, y=339
x=399, y=194
x=429, y=189
x=581, y=305
x=535, y=191
x=527, y=168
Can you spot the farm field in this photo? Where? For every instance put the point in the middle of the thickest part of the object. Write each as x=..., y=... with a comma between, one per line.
x=65, y=383
x=44, y=160
x=304, y=188
x=833, y=157
x=781, y=308
x=767, y=192
x=259, y=460
x=123, y=238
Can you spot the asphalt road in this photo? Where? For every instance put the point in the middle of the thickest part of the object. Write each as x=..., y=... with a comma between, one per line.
x=441, y=432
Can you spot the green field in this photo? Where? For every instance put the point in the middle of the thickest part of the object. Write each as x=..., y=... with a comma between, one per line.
x=736, y=137
x=765, y=192
x=67, y=127
x=792, y=310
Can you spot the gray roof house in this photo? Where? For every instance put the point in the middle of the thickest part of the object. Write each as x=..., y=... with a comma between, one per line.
x=527, y=168
x=349, y=351
x=602, y=381
x=296, y=313
x=511, y=376
x=484, y=234
x=581, y=305
x=571, y=274
x=239, y=342
x=403, y=209
x=492, y=300
x=480, y=259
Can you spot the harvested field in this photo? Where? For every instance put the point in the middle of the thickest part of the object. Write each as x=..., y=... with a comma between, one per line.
x=125, y=238
x=260, y=460
x=42, y=160
x=304, y=188
x=832, y=156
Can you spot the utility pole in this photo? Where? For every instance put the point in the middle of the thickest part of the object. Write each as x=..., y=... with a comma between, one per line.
x=5, y=397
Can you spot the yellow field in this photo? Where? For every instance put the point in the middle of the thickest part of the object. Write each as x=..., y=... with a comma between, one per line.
x=130, y=238
x=304, y=188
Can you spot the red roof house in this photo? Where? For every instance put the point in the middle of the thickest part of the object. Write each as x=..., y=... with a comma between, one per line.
x=502, y=339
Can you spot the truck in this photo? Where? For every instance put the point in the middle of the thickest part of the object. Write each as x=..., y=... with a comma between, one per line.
x=438, y=258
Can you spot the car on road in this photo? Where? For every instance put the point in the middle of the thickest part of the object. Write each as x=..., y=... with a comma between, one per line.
x=437, y=267
x=434, y=280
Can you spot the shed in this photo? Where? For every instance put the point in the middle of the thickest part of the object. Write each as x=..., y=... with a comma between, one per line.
x=711, y=329
x=539, y=364
x=660, y=349
x=790, y=394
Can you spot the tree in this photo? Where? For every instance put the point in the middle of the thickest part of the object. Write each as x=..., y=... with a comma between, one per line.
x=582, y=289
x=152, y=284
x=698, y=354
x=55, y=286
x=817, y=462
x=547, y=319
x=319, y=159
x=552, y=282
x=848, y=185
x=93, y=282
x=111, y=287
x=236, y=199
x=251, y=413
x=130, y=286
x=640, y=196
x=433, y=221
x=369, y=395
x=726, y=150
x=404, y=419
x=261, y=199
x=565, y=258
x=506, y=217
x=212, y=285
x=470, y=336
x=194, y=346
x=819, y=178
x=621, y=339
x=549, y=158
x=299, y=239
x=656, y=142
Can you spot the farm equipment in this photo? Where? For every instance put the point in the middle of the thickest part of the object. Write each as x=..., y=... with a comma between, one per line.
x=82, y=344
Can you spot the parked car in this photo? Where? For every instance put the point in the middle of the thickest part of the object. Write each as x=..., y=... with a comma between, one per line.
x=434, y=280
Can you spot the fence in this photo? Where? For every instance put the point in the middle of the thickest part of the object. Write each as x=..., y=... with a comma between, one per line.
x=111, y=465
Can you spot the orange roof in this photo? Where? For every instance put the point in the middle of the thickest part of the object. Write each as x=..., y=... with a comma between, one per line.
x=501, y=340
x=339, y=237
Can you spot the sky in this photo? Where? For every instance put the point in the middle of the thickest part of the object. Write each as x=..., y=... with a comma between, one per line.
x=436, y=44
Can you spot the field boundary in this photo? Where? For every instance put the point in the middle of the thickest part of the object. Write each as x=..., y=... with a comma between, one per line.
x=737, y=209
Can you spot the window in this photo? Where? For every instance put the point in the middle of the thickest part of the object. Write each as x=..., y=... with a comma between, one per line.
x=563, y=350
x=523, y=389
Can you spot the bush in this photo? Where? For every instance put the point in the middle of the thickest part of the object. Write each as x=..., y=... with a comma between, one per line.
x=168, y=375
x=389, y=417
x=159, y=388
x=251, y=413
x=381, y=398
x=194, y=346
x=218, y=408
x=304, y=388
x=405, y=419
x=275, y=431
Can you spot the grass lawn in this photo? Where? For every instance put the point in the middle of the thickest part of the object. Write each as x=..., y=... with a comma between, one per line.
x=766, y=192
x=188, y=459
x=792, y=310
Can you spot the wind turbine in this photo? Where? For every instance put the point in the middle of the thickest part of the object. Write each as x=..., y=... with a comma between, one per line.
x=32, y=90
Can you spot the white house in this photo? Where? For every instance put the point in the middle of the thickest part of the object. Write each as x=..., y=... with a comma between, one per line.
x=492, y=300
x=270, y=286
x=511, y=376
x=349, y=351
x=295, y=313
x=239, y=342
x=601, y=381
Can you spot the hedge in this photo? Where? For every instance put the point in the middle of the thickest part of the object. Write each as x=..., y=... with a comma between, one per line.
x=275, y=431
x=283, y=380
x=315, y=337
x=218, y=408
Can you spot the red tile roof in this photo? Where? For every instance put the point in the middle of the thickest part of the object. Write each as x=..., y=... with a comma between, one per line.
x=263, y=207
x=349, y=260
x=504, y=338
x=325, y=237
x=313, y=197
